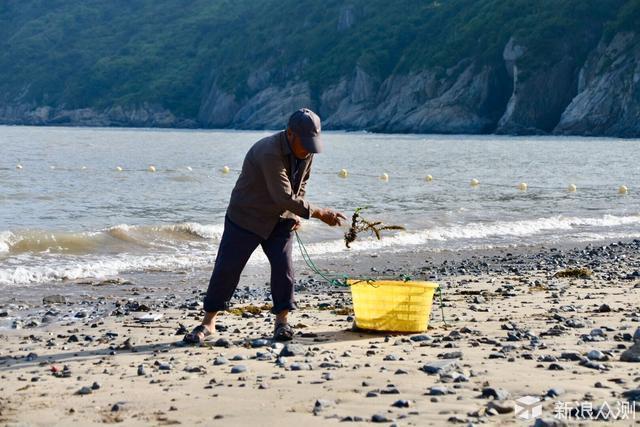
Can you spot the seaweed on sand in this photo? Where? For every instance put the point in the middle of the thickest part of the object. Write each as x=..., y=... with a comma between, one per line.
x=575, y=273
x=359, y=225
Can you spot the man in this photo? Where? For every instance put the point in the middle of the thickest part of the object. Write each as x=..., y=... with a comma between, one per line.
x=266, y=205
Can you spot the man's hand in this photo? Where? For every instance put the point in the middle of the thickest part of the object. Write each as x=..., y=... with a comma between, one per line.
x=297, y=224
x=329, y=216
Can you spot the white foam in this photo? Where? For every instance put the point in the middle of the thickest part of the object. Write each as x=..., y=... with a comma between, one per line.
x=100, y=267
x=212, y=231
x=474, y=231
x=5, y=240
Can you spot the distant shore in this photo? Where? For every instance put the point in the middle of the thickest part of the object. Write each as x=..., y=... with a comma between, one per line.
x=193, y=126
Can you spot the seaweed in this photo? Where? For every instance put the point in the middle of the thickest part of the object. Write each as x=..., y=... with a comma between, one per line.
x=249, y=309
x=575, y=273
x=359, y=225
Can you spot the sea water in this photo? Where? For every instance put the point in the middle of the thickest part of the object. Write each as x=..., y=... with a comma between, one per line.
x=81, y=203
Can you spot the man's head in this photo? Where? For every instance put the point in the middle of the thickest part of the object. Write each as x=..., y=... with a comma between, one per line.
x=303, y=132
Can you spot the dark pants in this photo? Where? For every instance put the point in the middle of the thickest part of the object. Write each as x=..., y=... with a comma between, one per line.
x=236, y=246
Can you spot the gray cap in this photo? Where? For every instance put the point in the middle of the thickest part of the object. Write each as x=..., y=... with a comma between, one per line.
x=306, y=124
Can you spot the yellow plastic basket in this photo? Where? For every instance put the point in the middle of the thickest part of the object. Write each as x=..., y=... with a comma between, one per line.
x=389, y=305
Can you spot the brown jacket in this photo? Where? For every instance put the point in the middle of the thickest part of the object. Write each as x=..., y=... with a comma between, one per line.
x=264, y=191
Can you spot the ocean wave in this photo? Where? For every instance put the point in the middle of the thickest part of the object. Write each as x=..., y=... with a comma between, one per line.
x=498, y=231
x=116, y=239
x=29, y=265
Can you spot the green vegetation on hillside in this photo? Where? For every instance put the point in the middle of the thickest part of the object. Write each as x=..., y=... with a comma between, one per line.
x=98, y=53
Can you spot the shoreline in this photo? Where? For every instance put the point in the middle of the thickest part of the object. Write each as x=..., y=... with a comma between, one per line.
x=329, y=130
x=440, y=266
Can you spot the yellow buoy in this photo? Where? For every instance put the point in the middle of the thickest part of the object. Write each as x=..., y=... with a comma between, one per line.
x=152, y=168
x=428, y=178
x=384, y=177
x=623, y=189
x=343, y=173
x=225, y=169
x=475, y=182
x=572, y=188
x=119, y=168
x=523, y=186
x=19, y=166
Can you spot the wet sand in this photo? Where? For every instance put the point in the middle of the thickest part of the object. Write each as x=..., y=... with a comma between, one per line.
x=513, y=329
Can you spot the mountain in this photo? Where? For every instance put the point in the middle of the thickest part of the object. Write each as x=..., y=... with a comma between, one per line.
x=448, y=66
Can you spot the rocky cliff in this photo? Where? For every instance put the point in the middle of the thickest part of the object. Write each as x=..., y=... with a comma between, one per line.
x=598, y=97
x=608, y=91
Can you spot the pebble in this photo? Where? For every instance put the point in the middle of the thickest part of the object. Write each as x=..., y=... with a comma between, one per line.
x=95, y=386
x=575, y=323
x=220, y=360
x=452, y=355
x=632, y=354
x=440, y=366
x=549, y=422
x=438, y=391
x=322, y=404
x=495, y=393
x=327, y=376
x=632, y=395
x=260, y=343
x=277, y=346
x=84, y=391
x=592, y=364
x=501, y=406
x=596, y=355
x=420, y=338
x=263, y=356
x=402, y=403
x=222, y=342
x=453, y=377
x=238, y=369
x=555, y=392
x=379, y=418
x=300, y=367
x=293, y=350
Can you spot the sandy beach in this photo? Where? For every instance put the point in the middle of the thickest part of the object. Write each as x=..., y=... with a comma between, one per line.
x=513, y=329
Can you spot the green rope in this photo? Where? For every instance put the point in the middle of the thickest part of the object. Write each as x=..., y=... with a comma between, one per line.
x=326, y=276
x=343, y=281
